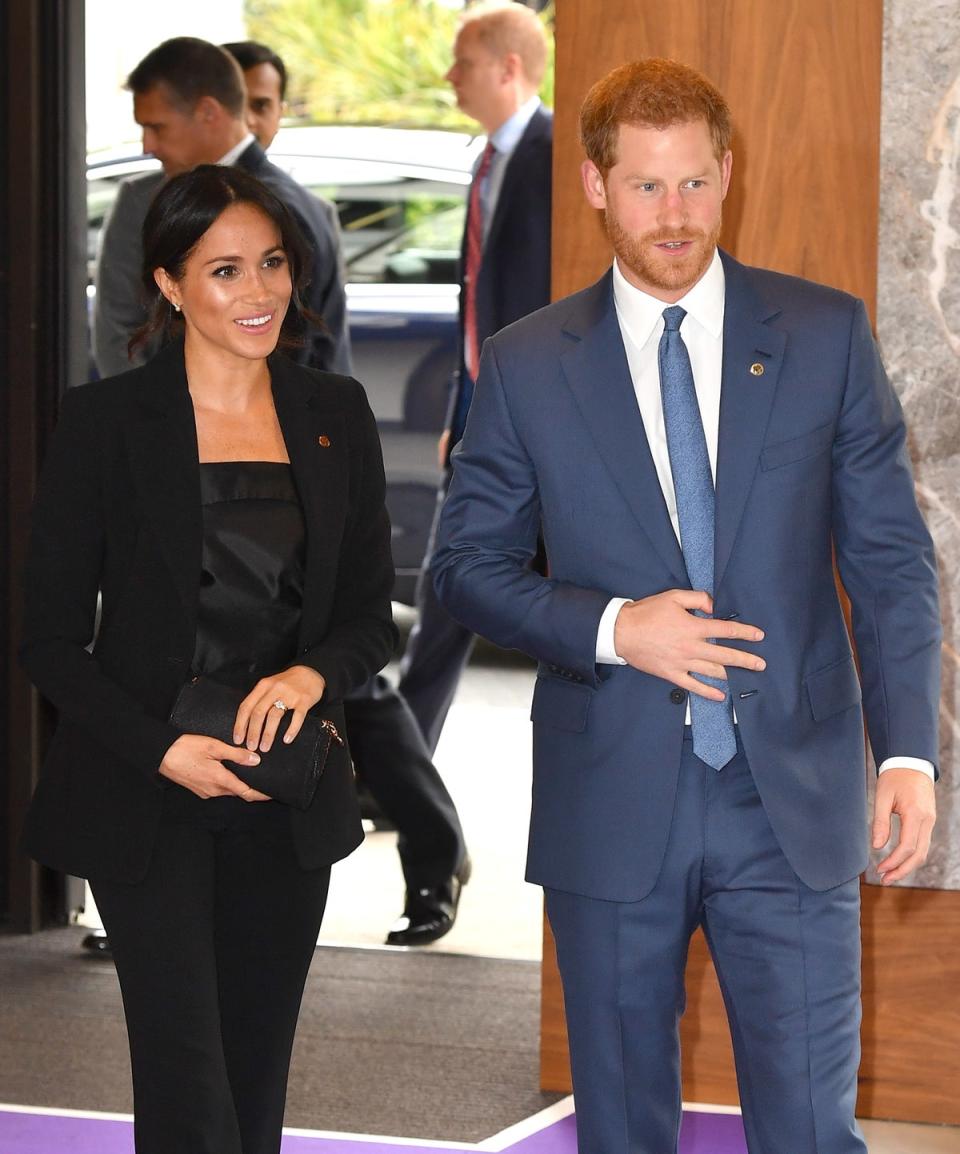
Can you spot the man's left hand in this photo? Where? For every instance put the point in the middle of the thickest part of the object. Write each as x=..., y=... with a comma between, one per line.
x=909, y=794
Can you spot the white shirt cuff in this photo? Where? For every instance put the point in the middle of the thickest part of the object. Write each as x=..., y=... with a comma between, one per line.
x=606, y=650
x=908, y=763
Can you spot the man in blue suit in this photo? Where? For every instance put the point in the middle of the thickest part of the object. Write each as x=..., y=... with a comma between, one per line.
x=697, y=440
x=499, y=60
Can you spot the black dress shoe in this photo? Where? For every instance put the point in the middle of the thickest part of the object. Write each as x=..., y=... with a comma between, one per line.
x=97, y=942
x=430, y=911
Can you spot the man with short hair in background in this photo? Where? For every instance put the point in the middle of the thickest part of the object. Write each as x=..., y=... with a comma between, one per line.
x=265, y=77
x=500, y=56
x=190, y=101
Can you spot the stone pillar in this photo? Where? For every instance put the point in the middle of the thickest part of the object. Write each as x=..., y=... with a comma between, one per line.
x=918, y=323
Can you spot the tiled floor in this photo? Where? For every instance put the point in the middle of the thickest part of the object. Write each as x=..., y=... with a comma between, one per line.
x=900, y=1138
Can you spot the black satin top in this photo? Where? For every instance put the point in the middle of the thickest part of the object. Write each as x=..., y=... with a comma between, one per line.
x=251, y=582
x=251, y=594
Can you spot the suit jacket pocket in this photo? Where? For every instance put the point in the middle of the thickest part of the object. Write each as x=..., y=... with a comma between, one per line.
x=797, y=448
x=562, y=704
x=833, y=689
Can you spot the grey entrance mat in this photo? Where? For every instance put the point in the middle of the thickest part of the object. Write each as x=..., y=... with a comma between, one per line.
x=419, y=1045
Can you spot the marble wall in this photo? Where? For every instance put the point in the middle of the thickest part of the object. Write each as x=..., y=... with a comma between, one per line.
x=918, y=324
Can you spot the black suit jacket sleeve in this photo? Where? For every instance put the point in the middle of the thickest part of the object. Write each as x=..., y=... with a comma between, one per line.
x=62, y=575
x=326, y=347
x=328, y=288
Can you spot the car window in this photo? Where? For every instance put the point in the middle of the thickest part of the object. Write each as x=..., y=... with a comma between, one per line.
x=384, y=213
x=406, y=233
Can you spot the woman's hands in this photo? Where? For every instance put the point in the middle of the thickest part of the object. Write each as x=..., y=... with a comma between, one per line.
x=299, y=688
x=196, y=763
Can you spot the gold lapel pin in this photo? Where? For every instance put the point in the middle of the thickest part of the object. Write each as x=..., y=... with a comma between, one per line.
x=757, y=369
x=324, y=440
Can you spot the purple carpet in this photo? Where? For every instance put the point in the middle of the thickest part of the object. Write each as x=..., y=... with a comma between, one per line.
x=54, y=1134
x=699, y=1134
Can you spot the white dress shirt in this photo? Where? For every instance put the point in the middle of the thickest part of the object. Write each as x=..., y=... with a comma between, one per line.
x=237, y=151
x=641, y=325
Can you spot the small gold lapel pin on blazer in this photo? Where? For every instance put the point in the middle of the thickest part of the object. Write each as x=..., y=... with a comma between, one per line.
x=757, y=369
x=324, y=441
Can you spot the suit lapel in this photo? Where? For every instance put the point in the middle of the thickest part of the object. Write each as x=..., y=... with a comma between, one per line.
x=253, y=159
x=597, y=372
x=165, y=463
x=513, y=173
x=752, y=358
x=315, y=433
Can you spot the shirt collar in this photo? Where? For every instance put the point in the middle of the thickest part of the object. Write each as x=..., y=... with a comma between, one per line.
x=639, y=312
x=506, y=138
x=237, y=151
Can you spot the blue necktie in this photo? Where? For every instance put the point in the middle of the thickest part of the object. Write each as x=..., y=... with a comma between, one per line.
x=714, y=738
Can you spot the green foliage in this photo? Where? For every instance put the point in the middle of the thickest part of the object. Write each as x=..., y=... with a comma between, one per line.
x=366, y=61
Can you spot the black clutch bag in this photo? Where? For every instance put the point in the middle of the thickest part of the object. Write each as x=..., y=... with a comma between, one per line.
x=287, y=773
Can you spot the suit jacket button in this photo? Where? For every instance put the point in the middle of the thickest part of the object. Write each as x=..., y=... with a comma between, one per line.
x=678, y=696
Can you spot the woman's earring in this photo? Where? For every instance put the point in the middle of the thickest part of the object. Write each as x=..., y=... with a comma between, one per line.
x=176, y=308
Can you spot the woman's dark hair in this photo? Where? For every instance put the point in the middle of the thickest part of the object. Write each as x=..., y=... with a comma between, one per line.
x=181, y=213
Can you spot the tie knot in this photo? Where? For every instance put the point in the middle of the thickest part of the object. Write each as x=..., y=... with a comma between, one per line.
x=485, y=158
x=673, y=318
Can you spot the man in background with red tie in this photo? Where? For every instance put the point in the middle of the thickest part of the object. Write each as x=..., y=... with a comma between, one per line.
x=500, y=56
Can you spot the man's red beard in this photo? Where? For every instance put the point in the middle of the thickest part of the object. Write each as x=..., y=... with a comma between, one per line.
x=639, y=255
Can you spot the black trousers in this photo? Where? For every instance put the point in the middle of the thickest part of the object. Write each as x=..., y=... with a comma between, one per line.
x=212, y=950
x=393, y=762
x=437, y=650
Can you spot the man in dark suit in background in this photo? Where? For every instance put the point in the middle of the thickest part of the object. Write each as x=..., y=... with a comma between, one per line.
x=265, y=78
x=499, y=60
x=189, y=99
x=697, y=441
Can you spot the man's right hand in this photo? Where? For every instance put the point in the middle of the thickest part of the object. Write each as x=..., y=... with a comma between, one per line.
x=661, y=636
x=443, y=449
x=196, y=763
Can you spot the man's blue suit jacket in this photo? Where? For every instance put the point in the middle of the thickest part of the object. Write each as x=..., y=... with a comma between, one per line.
x=811, y=459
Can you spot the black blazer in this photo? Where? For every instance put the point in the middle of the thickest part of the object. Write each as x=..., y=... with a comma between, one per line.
x=514, y=275
x=118, y=511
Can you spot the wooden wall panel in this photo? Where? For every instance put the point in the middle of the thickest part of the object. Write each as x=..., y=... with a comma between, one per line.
x=911, y=1005
x=803, y=81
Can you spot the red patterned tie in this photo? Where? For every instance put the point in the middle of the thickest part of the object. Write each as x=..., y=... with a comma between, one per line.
x=471, y=348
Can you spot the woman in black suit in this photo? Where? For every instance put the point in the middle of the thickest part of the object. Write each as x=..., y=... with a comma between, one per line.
x=228, y=507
